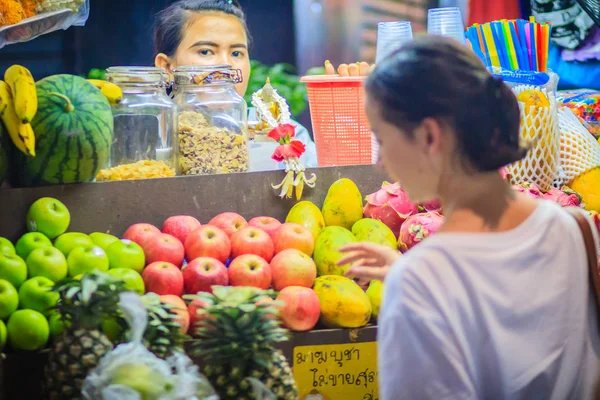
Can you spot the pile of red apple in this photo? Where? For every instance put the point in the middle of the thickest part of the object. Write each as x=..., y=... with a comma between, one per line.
x=186, y=257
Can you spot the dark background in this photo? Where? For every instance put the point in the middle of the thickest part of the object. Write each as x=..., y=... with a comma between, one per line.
x=119, y=32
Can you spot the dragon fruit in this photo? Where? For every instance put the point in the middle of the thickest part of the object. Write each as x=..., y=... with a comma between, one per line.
x=390, y=205
x=596, y=218
x=565, y=197
x=416, y=228
x=431, y=206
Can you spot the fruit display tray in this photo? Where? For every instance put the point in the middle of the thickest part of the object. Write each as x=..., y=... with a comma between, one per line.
x=114, y=206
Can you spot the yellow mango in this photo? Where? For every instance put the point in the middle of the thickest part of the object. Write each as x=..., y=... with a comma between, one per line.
x=374, y=231
x=327, y=250
x=343, y=303
x=588, y=186
x=308, y=215
x=375, y=295
x=533, y=98
x=343, y=205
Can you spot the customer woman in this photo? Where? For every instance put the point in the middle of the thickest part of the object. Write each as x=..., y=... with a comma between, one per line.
x=214, y=32
x=497, y=304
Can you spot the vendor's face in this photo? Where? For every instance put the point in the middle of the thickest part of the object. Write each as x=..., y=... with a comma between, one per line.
x=411, y=158
x=212, y=38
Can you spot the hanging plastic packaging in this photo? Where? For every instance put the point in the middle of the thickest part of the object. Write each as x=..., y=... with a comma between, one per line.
x=52, y=15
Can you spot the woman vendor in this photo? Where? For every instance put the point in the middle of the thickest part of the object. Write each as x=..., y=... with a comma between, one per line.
x=214, y=32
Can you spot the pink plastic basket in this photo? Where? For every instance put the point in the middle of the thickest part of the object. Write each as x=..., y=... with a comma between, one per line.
x=341, y=130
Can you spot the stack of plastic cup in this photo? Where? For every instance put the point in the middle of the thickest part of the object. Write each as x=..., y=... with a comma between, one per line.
x=446, y=22
x=390, y=36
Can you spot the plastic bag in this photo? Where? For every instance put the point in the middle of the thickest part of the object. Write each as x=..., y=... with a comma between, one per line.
x=585, y=104
x=131, y=372
x=46, y=22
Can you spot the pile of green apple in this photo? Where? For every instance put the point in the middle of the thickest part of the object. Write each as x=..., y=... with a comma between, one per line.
x=45, y=255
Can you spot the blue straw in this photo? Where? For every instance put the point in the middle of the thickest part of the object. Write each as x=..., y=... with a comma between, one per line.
x=518, y=51
x=500, y=47
x=523, y=43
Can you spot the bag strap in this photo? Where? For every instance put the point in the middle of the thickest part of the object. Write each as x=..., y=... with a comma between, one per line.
x=590, y=247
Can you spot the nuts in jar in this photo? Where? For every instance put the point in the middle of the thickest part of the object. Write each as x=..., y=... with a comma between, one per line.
x=207, y=149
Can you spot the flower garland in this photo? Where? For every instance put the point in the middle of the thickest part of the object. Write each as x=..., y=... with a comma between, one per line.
x=289, y=152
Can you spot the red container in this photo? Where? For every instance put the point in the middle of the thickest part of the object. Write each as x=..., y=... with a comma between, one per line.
x=341, y=130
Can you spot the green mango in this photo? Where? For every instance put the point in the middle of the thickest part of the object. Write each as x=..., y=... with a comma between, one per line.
x=343, y=205
x=375, y=295
x=327, y=250
x=308, y=215
x=374, y=231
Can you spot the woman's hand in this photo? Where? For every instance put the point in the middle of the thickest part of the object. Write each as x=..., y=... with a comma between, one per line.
x=369, y=260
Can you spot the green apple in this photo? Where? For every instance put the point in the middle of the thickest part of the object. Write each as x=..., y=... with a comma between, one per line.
x=57, y=324
x=27, y=330
x=86, y=259
x=146, y=381
x=9, y=299
x=48, y=216
x=3, y=335
x=126, y=254
x=13, y=269
x=47, y=262
x=103, y=240
x=36, y=294
x=6, y=246
x=31, y=241
x=68, y=241
x=112, y=329
x=133, y=280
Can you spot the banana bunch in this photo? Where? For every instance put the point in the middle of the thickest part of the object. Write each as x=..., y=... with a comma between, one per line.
x=112, y=92
x=18, y=106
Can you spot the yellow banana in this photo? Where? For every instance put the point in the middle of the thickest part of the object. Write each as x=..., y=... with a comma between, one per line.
x=22, y=87
x=21, y=134
x=112, y=92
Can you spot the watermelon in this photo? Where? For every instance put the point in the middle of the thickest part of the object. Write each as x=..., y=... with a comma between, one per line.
x=73, y=132
x=5, y=149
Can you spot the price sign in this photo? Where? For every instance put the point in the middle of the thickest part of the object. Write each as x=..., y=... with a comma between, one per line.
x=337, y=371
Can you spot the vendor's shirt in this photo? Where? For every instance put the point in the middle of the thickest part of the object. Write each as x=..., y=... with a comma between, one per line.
x=261, y=152
x=492, y=316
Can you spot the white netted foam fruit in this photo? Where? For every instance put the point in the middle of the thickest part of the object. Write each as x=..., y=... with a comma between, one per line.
x=539, y=130
x=579, y=151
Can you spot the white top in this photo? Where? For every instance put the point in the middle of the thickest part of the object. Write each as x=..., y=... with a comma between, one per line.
x=492, y=316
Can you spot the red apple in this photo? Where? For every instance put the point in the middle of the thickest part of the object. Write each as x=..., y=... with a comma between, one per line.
x=208, y=241
x=267, y=224
x=164, y=247
x=180, y=308
x=229, y=222
x=140, y=232
x=195, y=316
x=301, y=308
x=292, y=267
x=180, y=226
x=202, y=273
x=163, y=278
x=250, y=270
x=294, y=236
x=252, y=240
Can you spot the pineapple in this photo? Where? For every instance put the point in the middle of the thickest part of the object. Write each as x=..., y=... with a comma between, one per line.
x=163, y=334
x=83, y=305
x=237, y=345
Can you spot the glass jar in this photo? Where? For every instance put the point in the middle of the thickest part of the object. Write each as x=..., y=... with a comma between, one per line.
x=212, y=125
x=145, y=143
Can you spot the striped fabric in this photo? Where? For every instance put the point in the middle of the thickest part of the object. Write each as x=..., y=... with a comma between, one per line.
x=375, y=11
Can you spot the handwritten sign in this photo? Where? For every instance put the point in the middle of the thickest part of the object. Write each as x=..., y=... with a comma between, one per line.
x=337, y=371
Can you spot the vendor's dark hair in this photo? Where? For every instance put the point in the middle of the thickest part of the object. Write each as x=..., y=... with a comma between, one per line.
x=171, y=21
x=436, y=77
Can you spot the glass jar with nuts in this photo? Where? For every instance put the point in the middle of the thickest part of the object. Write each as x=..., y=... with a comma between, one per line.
x=212, y=128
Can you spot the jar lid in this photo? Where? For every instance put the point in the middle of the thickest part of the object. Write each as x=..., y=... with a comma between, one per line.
x=206, y=75
x=138, y=76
